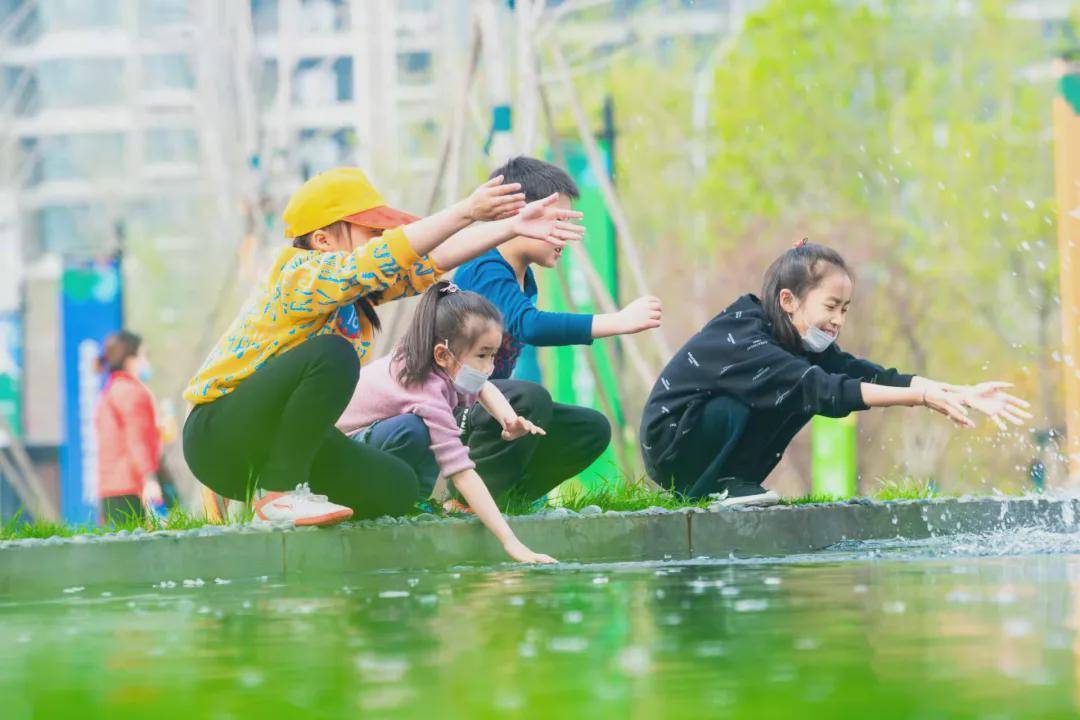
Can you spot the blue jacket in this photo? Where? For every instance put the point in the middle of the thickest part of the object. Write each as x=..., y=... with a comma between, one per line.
x=491, y=276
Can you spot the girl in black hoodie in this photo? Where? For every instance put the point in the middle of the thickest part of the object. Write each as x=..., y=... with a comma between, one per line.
x=728, y=404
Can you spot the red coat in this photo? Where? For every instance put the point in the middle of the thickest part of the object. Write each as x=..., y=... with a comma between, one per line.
x=129, y=444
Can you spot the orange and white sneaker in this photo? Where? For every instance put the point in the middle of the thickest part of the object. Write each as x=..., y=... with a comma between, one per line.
x=455, y=506
x=301, y=507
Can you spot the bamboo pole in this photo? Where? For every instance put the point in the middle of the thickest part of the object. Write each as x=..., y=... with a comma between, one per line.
x=592, y=153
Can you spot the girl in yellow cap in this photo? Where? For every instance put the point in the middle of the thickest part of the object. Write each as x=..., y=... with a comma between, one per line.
x=266, y=398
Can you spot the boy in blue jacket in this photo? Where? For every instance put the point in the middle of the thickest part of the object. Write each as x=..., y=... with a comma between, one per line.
x=576, y=436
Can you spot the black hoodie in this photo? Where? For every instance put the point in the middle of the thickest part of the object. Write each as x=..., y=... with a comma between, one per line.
x=736, y=355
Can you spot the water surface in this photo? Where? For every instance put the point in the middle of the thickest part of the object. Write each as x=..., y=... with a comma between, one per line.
x=969, y=627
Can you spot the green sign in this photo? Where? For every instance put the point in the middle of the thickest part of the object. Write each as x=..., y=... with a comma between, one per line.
x=567, y=369
x=834, y=449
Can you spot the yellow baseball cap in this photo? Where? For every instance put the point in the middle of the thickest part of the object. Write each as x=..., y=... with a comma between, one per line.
x=339, y=194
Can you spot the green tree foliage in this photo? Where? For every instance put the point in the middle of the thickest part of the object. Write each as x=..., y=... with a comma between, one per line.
x=913, y=136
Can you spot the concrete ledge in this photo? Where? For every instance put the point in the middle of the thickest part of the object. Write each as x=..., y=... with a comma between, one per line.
x=57, y=563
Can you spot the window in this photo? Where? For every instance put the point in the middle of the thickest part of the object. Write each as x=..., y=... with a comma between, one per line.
x=158, y=13
x=167, y=72
x=420, y=139
x=88, y=156
x=172, y=145
x=63, y=15
x=319, y=150
x=82, y=82
x=264, y=16
x=72, y=228
x=415, y=68
x=324, y=16
x=323, y=81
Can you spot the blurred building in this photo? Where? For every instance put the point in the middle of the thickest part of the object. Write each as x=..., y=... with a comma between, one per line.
x=172, y=131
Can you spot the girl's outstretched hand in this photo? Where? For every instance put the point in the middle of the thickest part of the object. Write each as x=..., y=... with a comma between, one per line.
x=494, y=201
x=518, y=427
x=991, y=399
x=517, y=550
x=543, y=221
x=949, y=404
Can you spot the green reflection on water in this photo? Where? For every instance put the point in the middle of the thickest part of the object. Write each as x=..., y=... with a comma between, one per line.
x=958, y=637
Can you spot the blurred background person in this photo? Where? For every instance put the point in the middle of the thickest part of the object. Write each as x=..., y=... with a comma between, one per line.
x=129, y=442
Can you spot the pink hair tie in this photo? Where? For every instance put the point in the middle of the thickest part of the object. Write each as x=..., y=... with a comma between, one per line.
x=799, y=243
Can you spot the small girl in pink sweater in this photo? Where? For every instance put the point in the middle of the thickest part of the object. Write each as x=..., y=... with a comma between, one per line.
x=404, y=403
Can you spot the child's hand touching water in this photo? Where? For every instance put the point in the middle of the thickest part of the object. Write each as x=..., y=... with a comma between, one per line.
x=517, y=550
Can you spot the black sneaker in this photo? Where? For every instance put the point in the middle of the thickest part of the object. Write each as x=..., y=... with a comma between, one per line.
x=744, y=493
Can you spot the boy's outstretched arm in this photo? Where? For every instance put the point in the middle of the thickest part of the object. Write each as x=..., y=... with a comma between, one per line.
x=645, y=313
x=540, y=220
x=476, y=495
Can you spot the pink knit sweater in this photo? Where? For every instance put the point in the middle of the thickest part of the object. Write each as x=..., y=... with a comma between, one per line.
x=379, y=395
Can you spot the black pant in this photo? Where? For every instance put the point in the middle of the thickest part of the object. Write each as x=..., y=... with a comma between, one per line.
x=276, y=430
x=703, y=460
x=532, y=465
x=121, y=509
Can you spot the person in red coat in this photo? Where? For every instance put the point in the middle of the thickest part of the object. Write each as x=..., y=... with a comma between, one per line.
x=129, y=442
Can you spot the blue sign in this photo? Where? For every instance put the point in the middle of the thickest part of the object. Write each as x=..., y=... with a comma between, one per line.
x=92, y=309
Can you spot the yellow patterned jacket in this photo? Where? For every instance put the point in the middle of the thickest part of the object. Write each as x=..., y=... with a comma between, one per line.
x=310, y=293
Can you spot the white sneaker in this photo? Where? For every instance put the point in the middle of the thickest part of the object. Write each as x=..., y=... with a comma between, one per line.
x=743, y=493
x=765, y=499
x=300, y=507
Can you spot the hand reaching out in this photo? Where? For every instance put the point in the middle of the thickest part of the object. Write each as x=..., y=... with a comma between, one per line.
x=494, y=201
x=645, y=313
x=543, y=221
x=991, y=399
x=518, y=426
x=948, y=403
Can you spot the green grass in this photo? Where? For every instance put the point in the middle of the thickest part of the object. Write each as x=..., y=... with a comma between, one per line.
x=17, y=528
x=613, y=494
x=811, y=499
x=906, y=488
x=622, y=496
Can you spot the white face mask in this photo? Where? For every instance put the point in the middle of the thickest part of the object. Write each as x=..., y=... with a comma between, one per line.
x=817, y=340
x=469, y=380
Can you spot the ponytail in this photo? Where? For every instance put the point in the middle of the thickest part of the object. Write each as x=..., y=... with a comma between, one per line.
x=445, y=314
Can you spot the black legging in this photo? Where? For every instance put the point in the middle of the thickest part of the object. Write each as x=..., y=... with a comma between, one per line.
x=276, y=430
x=532, y=465
x=704, y=460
